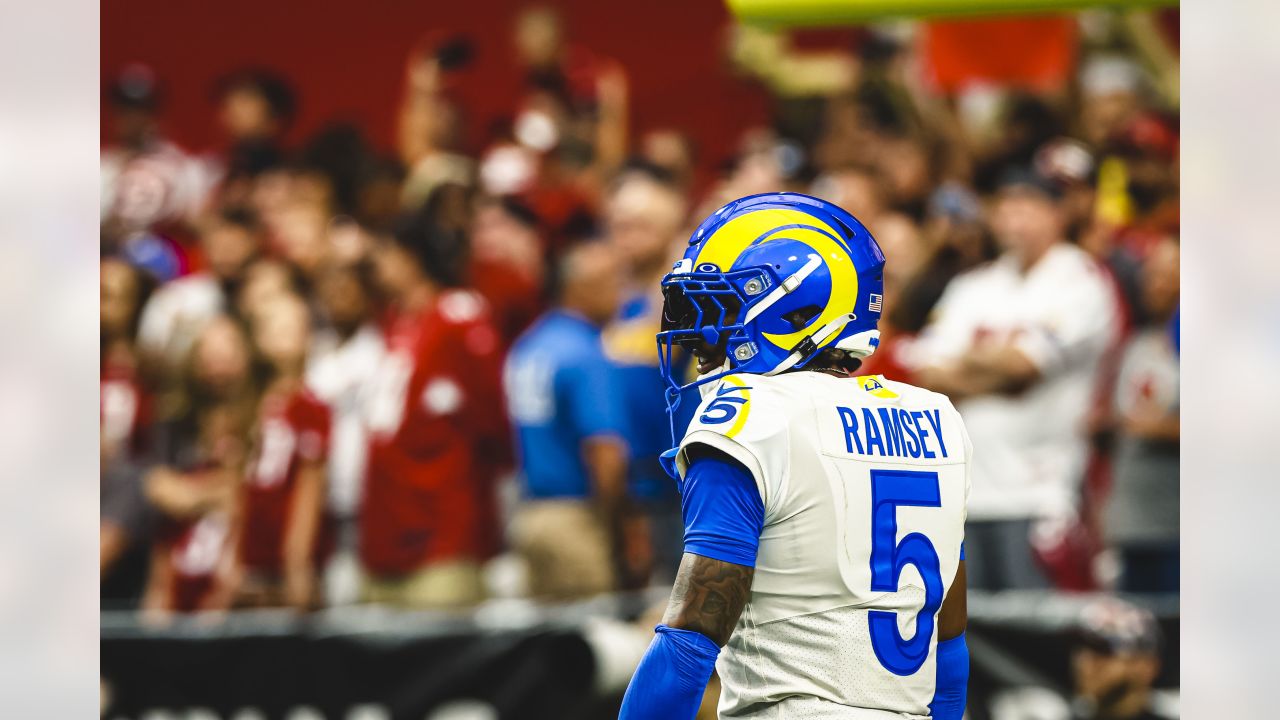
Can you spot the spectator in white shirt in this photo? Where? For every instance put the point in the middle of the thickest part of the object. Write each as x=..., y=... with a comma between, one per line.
x=344, y=358
x=1016, y=343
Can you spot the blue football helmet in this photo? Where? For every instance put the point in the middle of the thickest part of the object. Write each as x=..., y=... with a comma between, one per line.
x=777, y=278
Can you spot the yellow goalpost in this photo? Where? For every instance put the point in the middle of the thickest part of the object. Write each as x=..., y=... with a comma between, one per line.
x=792, y=13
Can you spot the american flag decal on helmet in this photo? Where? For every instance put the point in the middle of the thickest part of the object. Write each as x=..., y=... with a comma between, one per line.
x=876, y=302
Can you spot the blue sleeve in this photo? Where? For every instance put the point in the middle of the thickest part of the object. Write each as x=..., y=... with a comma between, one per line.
x=723, y=512
x=591, y=397
x=672, y=676
x=952, y=684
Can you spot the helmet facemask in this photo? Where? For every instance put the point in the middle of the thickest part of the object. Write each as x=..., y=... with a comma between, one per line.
x=701, y=314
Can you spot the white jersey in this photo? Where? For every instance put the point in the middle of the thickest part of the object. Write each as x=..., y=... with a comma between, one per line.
x=864, y=483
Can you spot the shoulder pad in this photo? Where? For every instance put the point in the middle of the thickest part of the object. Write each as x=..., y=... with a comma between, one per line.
x=741, y=417
x=727, y=406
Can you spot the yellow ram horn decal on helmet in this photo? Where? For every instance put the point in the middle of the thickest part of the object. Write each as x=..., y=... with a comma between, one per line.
x=723, y=248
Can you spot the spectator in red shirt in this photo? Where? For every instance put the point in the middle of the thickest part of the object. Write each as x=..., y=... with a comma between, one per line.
x=434, y=411
x=202, y=448
x=283, y=538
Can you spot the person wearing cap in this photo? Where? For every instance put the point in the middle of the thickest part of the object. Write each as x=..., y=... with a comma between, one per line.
x=1115, y=663
x=1017, y=343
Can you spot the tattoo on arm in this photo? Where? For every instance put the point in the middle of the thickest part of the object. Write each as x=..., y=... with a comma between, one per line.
x=708, y=596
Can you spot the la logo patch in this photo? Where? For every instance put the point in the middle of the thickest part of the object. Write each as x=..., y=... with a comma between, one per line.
x=874, y=385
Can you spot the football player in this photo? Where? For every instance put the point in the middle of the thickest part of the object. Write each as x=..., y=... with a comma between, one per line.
x=824, y=511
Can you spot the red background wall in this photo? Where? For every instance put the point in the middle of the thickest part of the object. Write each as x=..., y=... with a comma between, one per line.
x=347, y=59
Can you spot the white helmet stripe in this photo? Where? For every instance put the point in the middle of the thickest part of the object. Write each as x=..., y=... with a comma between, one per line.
x=787, y=286
x=819, y=337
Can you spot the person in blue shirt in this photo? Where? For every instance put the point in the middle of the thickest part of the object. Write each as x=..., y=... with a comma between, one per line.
x=645, y=215
x=566, y=409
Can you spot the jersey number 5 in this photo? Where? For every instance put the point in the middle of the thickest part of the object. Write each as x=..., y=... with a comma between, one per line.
x=723, y=408
x=891, y=489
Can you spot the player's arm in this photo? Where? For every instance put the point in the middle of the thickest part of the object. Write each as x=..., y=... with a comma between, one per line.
x=708, y=596
x=723, y=517
x=953, y=618
x=952, y=682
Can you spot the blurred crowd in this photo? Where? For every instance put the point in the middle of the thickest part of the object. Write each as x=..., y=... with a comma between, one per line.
x=335, y=374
